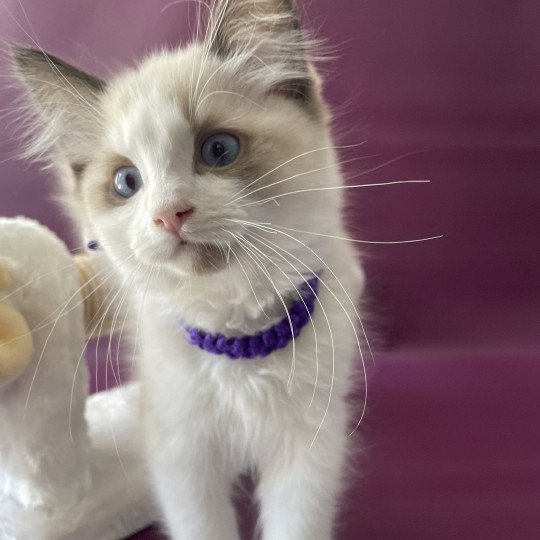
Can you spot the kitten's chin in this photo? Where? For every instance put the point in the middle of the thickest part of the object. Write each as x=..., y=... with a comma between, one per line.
x=188, y=259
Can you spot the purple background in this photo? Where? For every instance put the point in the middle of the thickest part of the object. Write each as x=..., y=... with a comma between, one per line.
x=452, y=428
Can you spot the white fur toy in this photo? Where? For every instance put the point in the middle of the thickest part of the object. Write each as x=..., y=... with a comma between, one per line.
x=70, y=467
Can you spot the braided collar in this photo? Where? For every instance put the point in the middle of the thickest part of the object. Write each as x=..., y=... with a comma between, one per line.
x=267, y=341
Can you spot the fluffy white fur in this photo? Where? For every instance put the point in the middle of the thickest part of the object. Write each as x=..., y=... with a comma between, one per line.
x=36, y=469
x=207, y=419
x=56, y=483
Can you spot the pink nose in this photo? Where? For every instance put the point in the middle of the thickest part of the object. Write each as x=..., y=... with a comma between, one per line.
x=172, y=221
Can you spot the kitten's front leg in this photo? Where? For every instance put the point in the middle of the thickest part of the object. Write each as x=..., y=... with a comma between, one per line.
x=299, y=486
x=194, y=492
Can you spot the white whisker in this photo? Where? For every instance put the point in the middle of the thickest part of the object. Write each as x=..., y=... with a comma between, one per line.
x=387, y=242
x=333, y=294
x=322, y=281
x=330, y=188
x=292, y=177
x=243, y=240
x=54, y=323
x=248, y=280
x=303, y=154
x=302, y=276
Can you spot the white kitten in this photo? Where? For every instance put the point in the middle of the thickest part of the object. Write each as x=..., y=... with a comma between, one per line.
x=197, y=172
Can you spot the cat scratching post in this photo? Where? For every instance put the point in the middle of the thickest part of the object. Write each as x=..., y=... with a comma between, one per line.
x=70, y=465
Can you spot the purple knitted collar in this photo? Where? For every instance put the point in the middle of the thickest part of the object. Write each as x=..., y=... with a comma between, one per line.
x=265, y=342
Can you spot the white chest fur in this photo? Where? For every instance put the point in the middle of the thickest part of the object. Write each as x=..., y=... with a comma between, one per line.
x=203, y=412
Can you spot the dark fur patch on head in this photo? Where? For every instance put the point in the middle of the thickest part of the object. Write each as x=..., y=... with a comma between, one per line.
x=78, y=169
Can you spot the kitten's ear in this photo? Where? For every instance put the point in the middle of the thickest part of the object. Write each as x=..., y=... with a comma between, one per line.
x=263, y=40
x=64, y=102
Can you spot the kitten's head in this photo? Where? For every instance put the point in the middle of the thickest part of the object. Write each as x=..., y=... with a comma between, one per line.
x=167, y=163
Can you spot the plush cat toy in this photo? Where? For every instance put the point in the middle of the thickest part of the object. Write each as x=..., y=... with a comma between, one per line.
x=69, y=464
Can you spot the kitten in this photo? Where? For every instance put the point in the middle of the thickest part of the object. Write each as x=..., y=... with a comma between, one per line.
x=199, y=173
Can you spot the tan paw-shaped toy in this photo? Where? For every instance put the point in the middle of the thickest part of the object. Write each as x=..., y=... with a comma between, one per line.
x=16, y=344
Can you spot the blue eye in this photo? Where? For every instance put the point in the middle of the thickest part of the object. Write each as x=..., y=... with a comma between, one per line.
x=127, y=181
x=220, y=149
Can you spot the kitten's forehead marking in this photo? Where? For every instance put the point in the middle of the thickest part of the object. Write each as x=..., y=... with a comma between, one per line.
x=153, y=131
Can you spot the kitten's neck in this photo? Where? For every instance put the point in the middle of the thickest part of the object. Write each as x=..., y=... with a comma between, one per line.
x=227, y=304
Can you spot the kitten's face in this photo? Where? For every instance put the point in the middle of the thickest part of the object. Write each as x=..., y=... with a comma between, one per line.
x=182, y=151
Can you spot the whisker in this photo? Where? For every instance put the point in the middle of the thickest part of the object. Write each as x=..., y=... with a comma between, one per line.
x=206, y=53
x=118, y=343
x=55, y=271
x=176, y=2
x=293, y=365
x=81, y=356
x=48, y=320
x=353, y=306
x=141, y=309
x=91, y=332
x=329, y=188
x=302, y=276
x=109, y=355
x=230, y=93
x=325, y=414
x=296, y=175
x=37, y=278
x=426, y=239
x=303, y=154
x=74, y=92
x=147, y=273
x=247, y=277
x=61, y=314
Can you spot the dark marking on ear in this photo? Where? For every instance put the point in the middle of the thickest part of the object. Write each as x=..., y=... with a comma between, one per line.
x=234, y=24
x=63, y=102
x=219, y=46
x=28, y=59
x=228, y=15
x=78, y=169
x=291, y=5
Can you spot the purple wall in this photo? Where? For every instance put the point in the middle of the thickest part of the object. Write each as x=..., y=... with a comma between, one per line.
x=458, y=83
